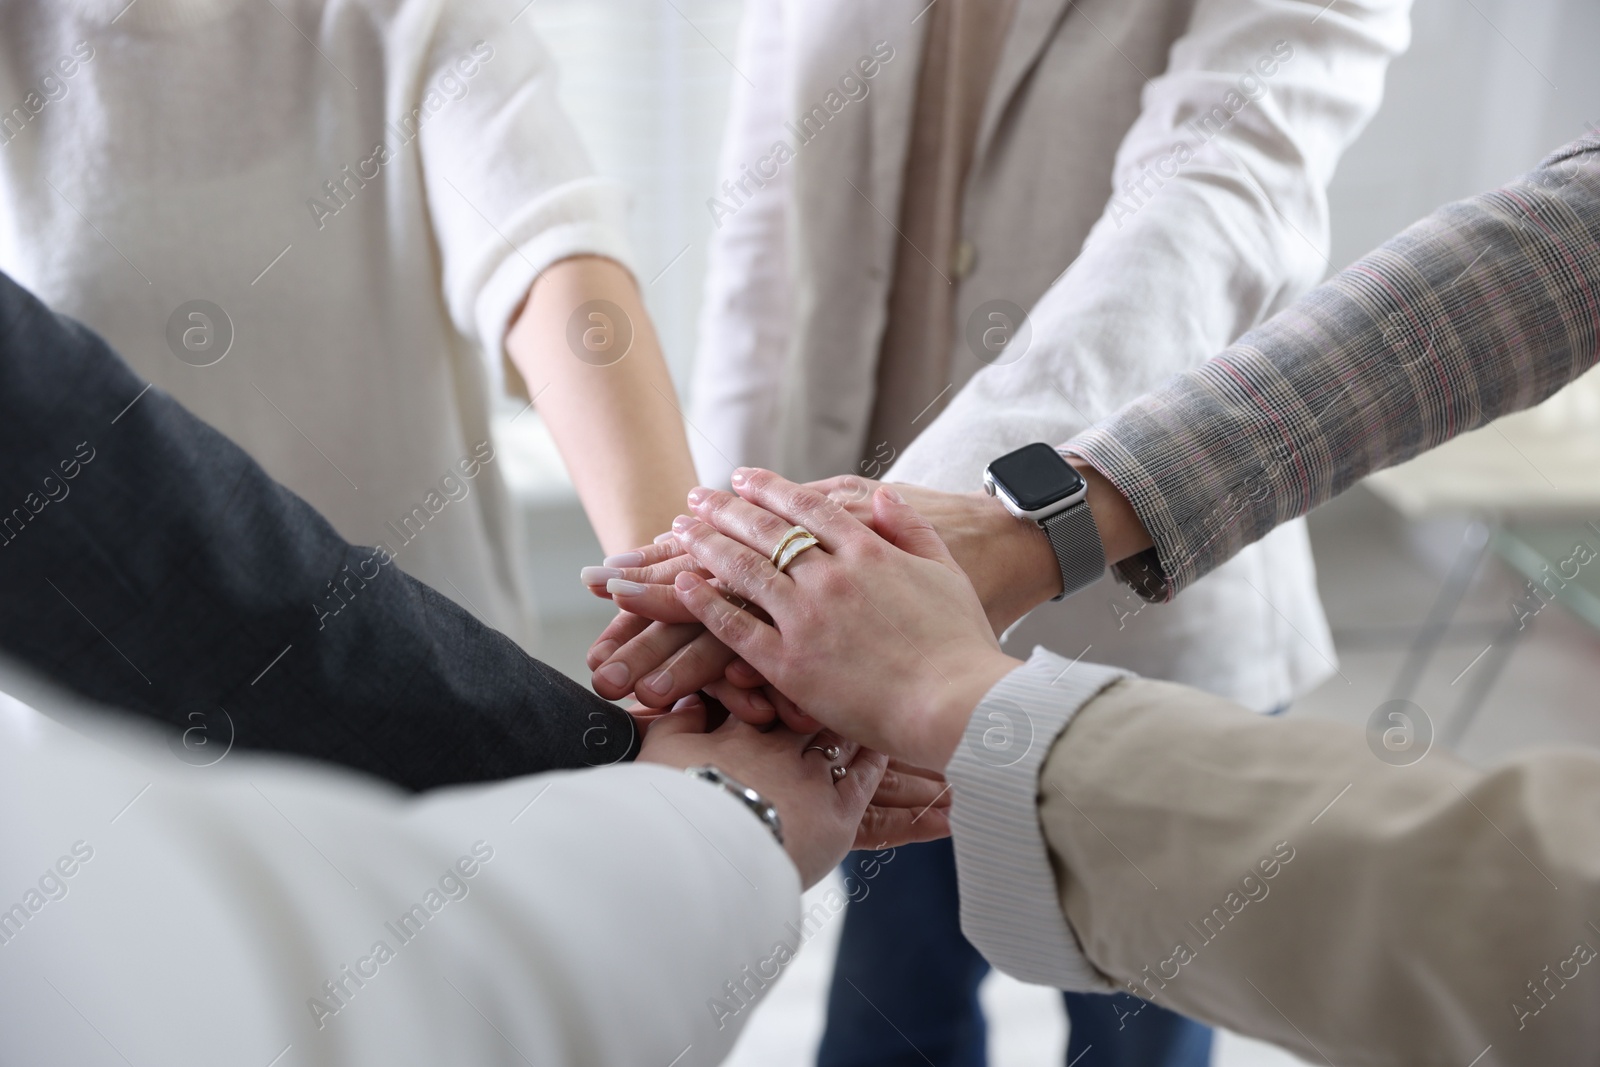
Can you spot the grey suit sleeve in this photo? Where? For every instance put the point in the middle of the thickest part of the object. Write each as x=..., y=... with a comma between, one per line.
x=150, y=564
x=1485, y=307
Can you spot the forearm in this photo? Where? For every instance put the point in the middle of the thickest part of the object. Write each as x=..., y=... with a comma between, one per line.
x=1483, y=308
x=454, y=928
x=1275, y=877
x=722, y=896
x=1203, y=237
x=602, y=387
x=1009, y=560
x=171, y=576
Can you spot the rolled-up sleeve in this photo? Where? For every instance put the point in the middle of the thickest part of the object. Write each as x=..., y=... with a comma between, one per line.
x=511, y=188
x=1204, y=235
x=1485, y=307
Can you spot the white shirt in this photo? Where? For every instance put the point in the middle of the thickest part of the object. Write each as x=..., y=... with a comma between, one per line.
x=228, y=152
x=175, y=914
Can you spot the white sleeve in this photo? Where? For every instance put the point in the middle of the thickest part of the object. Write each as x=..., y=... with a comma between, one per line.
x=1210, y=228
x=257, y=909
x=1010, y=908
x=744, y=321
x=510, y=186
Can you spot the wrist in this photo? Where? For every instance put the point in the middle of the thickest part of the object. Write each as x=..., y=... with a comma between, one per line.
x=1025, y=573
x=1020, y=568
x=951, y=705
x=1122, y=533
x=754, y=802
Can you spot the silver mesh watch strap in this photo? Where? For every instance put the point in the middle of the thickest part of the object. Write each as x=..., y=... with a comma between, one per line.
x=1076, y=541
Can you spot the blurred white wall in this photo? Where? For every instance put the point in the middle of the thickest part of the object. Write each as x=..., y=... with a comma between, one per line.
x=1487, y=89
x=647, y=82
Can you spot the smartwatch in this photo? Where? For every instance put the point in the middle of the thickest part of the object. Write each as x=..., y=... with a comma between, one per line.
x=1036, y=483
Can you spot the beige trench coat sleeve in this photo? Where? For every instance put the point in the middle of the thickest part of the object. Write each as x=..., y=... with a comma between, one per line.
x=1278, y=878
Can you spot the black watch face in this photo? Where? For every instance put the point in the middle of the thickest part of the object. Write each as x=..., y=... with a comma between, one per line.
x=1035, y=476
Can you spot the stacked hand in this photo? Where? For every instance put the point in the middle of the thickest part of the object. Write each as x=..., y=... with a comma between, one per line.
x=831, y=794
x=656, y=649
x=876, y=633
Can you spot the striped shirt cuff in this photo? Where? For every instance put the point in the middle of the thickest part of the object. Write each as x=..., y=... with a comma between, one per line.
x=1010, y=908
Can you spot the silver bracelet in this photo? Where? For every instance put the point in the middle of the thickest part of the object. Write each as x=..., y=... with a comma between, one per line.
x=758, y=804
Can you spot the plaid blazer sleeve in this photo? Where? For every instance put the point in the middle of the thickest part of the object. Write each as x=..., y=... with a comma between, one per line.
x=1483, y=308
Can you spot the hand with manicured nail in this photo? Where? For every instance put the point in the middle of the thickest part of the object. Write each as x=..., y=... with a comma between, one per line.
x=1009, y=561
x=656, y=651
x=655, y=564
x=876, y=632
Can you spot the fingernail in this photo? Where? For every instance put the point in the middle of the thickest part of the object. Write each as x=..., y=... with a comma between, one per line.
x=682, y=523
x=660, y=537
x=684, y=581
x=603, y=651
x=741, y=475
x=890, y=495
x=659, y=682
x=598, y=575
x=685, y=703
x=625, y=559
x=761, y=703
x=615, y=674
x=623, y=587
x=697, y=496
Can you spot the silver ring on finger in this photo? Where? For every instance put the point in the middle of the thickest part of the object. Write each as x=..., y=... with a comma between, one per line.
x=839, y=772
x=829, y=752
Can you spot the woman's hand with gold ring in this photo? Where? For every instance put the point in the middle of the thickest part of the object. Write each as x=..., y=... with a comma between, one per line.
x=792, y=547
x=793, y=533
x=851, y=632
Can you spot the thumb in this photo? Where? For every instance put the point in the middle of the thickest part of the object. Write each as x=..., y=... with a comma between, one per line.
x=688, y=716
x=904, y=527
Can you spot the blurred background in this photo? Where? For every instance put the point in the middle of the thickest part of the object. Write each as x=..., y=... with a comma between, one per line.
x=1421, y=568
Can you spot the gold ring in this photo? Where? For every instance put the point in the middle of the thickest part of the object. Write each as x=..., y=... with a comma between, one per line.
x=793, y=533
x=792, y=548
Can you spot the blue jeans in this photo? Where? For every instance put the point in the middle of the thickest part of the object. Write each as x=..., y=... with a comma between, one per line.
x=905, y=987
